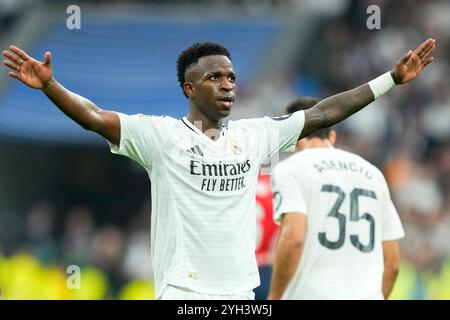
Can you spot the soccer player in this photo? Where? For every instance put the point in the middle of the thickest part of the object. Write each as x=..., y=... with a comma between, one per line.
x=339, y=228
x=204, y=173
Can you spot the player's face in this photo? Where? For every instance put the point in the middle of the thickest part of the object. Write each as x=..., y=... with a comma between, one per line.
x=214, y=86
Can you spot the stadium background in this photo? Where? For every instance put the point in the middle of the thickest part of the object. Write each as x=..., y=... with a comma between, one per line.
x=64, y=199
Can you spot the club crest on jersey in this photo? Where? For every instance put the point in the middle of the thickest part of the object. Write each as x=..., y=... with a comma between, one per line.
x=234, y=147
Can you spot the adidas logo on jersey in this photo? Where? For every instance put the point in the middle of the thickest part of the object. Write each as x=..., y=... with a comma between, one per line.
x=195, y=150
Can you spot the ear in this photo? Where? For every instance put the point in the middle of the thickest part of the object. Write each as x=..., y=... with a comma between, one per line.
x=332, y=137
x=189, y=89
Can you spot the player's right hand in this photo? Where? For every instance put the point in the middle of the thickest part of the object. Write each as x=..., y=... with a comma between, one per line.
x=31, y=72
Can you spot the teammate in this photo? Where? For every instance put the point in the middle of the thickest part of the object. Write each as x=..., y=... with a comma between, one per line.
x=338, y=223
x=204, y=173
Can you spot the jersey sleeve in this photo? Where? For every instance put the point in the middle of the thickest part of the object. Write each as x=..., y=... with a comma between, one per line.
x=289, y=195
x=392, y=228
x=141, y=137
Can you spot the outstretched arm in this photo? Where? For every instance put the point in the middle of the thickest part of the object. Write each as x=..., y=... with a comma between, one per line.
x=39, y=75
x=338, y=107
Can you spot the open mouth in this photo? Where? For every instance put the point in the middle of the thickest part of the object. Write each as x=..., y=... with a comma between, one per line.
x=226, y=102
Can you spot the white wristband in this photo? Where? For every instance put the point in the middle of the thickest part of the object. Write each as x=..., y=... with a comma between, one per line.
x=382, y=84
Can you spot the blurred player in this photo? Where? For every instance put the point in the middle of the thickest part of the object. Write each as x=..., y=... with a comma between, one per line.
x=339, y=227
x=204, y=173
x=266, y=233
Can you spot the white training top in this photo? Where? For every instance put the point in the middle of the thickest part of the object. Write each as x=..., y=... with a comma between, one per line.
x=349, y=214
x=203, y=196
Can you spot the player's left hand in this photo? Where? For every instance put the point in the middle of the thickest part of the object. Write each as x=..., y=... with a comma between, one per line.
x=411, y=64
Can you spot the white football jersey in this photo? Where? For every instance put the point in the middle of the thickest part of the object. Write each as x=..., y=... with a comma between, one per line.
x=203, y=196
x=349, y=214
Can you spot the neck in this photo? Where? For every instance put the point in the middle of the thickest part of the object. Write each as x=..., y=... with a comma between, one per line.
x=318, y=143
x=313, y=143
x=208, y=126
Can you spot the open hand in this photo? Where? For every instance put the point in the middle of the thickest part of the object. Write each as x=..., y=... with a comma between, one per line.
x=411, y=64
x=31, y=72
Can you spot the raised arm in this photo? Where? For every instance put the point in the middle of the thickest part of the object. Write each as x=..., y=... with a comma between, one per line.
x=39, y=75
x=338, y=107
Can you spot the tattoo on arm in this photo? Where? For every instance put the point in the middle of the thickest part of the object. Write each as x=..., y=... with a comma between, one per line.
x=336, y=108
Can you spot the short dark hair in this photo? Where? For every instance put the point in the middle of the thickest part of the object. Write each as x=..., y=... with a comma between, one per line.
x=305, y=103
x=196, y=51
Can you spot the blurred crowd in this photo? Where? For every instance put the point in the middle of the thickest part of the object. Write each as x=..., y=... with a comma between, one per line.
x=113, y=259
x=9, y=11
